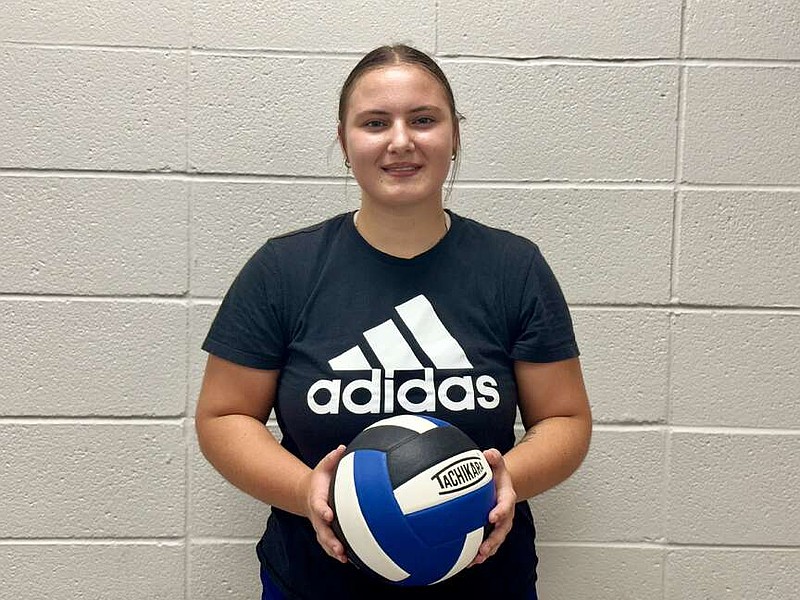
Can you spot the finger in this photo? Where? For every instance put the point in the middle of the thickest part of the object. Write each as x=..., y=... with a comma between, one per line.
x=502, y=514
x=490, y=545
x=331, y=459
x=494, y=458
x=321, y=510
x=318, y=494
x=330, y=543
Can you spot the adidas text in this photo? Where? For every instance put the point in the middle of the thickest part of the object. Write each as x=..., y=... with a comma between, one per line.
x=326, y=396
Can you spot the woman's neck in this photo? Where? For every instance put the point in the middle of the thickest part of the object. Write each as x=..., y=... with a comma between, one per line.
x=402, y=233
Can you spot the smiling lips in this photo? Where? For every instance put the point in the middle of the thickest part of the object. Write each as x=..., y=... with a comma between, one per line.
x=402, y=169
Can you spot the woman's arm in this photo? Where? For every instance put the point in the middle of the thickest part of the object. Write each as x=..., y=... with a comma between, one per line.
x=556, y=415
x=558, y=421
x=234, y=404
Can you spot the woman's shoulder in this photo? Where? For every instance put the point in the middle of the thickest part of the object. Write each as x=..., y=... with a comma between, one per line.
x=311, y=235
x=495, y=240
x=299, y=245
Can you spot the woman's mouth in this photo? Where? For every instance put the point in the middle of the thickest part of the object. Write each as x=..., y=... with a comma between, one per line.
x=402, y=169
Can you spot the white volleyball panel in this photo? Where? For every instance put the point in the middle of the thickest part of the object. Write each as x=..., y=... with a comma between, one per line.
x=411, y=422
x=354, y=526
x=468, y=552
x=453, y=477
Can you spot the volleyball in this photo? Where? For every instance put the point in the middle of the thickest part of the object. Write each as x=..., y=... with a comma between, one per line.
x=411, y=498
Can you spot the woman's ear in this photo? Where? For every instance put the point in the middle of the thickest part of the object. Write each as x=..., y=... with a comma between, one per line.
x=340, y=137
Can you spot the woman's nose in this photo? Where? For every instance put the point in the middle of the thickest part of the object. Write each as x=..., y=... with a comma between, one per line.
x=401, y=138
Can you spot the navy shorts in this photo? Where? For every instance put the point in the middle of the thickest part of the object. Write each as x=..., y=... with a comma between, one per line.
x=271, y=592
x=269, y=589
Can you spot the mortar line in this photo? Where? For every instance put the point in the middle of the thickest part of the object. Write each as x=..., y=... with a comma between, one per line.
x=691, y=308
x=190, y=300
x=234, y=52
x=673, y=292
x=186, y=503
x=104, y=541
x=187, y=479
x=678, y=173
x=91, y=47
x=210, y=540
x=436, y=28
x=632, y=62
x=181, y=300
x=645, y=427
x=89, y=420
x=187, y=108
x=665, y=481
x=265, y=52
x=669, y=546
x=33, y=173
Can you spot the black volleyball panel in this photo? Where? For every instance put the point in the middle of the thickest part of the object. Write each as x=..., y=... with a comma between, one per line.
x=426, y=450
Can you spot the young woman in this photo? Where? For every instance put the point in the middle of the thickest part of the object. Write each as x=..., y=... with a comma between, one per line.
x=319, y=308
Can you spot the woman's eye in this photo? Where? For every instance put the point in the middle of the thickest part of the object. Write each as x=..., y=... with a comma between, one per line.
x=424, y=121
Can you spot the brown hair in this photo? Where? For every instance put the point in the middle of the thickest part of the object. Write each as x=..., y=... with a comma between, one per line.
x=400, y=54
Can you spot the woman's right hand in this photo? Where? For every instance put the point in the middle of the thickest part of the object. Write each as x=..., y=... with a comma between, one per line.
x=317, y=484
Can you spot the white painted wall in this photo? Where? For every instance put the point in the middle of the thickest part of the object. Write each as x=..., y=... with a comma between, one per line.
x=651, y=148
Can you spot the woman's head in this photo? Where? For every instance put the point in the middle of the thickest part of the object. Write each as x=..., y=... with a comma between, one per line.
x=399, y=54
x=398, y=125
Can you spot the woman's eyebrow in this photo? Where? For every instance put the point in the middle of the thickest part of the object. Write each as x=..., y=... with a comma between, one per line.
x=377, y=111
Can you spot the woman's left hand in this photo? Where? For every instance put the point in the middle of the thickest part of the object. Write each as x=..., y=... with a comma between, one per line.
x=502, y=515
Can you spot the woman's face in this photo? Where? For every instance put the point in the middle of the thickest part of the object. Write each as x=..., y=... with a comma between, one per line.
x=398, y=135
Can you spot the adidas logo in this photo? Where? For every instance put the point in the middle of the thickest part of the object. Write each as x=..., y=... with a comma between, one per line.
x=381, y=393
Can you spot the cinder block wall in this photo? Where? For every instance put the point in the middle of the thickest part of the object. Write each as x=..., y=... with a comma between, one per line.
x=651, y=148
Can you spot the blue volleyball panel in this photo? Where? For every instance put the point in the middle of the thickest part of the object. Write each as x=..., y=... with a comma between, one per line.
x=438, y=422
x=455, y=518
x=390, y=528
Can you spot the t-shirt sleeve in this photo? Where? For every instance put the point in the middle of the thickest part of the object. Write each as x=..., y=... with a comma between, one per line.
x=247, y=329
x=545, y=332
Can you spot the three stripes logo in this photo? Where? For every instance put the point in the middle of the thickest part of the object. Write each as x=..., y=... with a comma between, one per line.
x=394, y=383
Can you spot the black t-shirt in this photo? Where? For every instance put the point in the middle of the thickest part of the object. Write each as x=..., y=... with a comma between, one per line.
x=359, y=335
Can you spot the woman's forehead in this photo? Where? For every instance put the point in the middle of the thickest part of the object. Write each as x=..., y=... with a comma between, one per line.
x=397, y=86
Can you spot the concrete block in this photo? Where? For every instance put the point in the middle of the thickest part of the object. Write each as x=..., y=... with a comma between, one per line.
x=134, y=571
x=536, y=122
x=265, y=115
x=92, y=480
x=599, y=573
x=98, y=22
x=224, y=570
x=93, y=358
x=734, y=369
x=739, y=248
x=93, y=236
x=230, y=221
x=616, y=495
x=93, y=109
x=625, y=361
x=312, y=26
x=604, y=246
x=710, y=574
x=753, y=119
x=216, y=507
x=761, y=29
x=733, y=489
x=572, y=28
